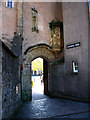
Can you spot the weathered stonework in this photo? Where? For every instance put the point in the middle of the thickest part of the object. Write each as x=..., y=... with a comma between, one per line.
x=35, y=52
x=0, y=80
x=56, y=84
x=10, y=79
x=19, y=18
x=61, y=80
x=9, y=21
x=47, y=11
x=0, y=60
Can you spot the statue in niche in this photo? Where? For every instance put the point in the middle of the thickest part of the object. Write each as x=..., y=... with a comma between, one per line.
x=34, y=20
x=56, y=35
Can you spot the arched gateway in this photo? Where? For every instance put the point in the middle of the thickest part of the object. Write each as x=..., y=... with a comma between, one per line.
x=41, y=50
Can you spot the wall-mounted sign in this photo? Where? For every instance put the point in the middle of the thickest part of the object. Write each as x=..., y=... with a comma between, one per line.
x=75, y=67
x=73, y=45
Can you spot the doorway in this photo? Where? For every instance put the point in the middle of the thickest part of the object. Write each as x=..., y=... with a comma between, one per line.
x=39, y=78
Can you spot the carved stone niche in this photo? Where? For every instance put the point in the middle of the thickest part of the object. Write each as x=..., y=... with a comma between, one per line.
x=56, y=37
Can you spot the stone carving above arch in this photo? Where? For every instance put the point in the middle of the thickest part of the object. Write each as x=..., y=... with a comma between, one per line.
x=43, y=51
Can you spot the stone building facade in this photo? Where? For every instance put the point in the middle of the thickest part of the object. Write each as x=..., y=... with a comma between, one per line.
x=66, y=70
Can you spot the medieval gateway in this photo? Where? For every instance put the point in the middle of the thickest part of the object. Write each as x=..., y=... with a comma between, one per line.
x=58, y=32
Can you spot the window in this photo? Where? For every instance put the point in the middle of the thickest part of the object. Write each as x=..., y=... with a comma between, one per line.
x=9, y=3
x=34, y=20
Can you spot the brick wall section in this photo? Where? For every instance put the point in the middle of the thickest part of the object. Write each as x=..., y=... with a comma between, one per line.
x=46, y=13
x=10, y=76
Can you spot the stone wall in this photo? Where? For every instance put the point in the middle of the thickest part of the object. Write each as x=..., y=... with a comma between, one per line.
x=63, y=82
x=0, y=60
x=47, y=11
x=9, y=22
x=56, y=81
x=89, y=58
x=75, y=21
x=42, y=51
x=0, y=80
x=11, y=85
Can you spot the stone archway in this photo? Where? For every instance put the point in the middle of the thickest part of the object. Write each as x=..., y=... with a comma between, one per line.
x=30, y=54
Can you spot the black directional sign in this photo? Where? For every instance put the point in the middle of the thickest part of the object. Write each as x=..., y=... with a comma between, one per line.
x=73, y=45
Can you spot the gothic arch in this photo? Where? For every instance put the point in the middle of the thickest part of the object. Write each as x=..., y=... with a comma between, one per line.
x=43, y=51
x=40, y=50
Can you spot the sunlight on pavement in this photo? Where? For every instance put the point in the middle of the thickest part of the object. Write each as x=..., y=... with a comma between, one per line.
x=37, y=87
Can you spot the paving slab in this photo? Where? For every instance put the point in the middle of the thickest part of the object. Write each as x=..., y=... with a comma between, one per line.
x=45, y=107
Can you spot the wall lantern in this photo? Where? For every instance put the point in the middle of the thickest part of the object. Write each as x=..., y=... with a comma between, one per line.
x=56, y=38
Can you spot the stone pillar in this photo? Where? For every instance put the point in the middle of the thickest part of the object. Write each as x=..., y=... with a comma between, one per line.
x=26, y=82
x=18, y=39
x=0, y=61
x=20, y=17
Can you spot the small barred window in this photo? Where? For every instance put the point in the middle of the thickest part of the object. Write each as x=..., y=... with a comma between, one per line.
x=9, y=4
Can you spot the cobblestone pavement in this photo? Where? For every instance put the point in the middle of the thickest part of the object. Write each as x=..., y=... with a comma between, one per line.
x=44, y=107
